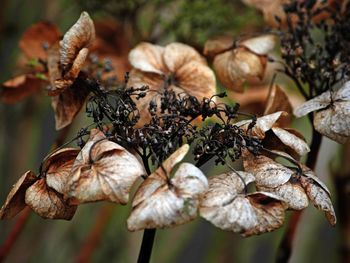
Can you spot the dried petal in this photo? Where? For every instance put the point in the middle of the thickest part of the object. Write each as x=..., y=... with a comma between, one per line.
x=79, y=36
x=319, y=197
x=148, y=58
x=177, y=55
x=267, y=172
x=260, y=45
x=57, y=168
x=37, y=38
x=67, y=104
x=269, y=211
x=15, y=202
x=103, y=170
x=317, y=103
x=236, y=67
x=175, y=158
x=278, y=101
x=48, y=203
x=162, y=202
x=20, y=87
x=215, y=46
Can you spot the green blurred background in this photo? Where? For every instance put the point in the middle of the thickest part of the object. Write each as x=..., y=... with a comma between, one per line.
x=27, y=133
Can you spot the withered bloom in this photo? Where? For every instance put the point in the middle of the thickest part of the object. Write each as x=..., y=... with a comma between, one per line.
x=331, y=113
x=164, y=200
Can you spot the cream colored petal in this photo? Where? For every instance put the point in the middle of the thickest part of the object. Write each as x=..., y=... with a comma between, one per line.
x=47, y=203
x=343, y=93
x=317, y=103
x=291, y=140
x=15, y=202
x=57, y=168
x=323, y=124
x=163, y=209
x=340, y=120
x=177, y=55
x=267, y=172
x=196, y=79
x=291, y=193
x=235, y=68
x=148, y=58
x=307, y=172
x=260, y=45
x=320, y=198
x=103, y=170
x=269, y=210
x=80, y=35
x=175, y=158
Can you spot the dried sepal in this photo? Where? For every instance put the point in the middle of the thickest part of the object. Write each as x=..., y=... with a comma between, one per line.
x=218, y=45
x=79, y=36
x=267, y=172
x=260, y=45
x=164, y=201
x=15, y=200
x=20, y=87
x=269, y=210
x=103, y=170
x=278, y=101
x=37, y=38
x=48, y=203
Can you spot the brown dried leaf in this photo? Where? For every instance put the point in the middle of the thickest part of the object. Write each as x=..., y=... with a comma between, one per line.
x=68, y=103
x=148, y=58
x=236, y=67
x=162, y=201
x=36, y=37
x=79, y=36
x=267, y=172
x=20, y=87
x=57, y=168
x=269, y=210
x=215, y=46
x=103, y=170
x=319, y=196
x=48, y=203
x=15, y=202
x=177, y=55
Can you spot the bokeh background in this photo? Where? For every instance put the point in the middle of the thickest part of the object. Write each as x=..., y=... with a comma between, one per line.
x=97, y=232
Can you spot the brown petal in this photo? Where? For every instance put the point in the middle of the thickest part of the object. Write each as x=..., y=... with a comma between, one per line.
x=20, y=87
x=269, y=211
x=15, y=202
x=260, y=45
x=57, y=168
x=278, y=101
x=177, y=55
x=267, y=172
x=53, y=65
x=47, y=203
x=215, y=46
x=103, y=170
x=290, y=193
x=36, y=37
x=79, y=36
x=67, y=104
x=320, y=198
x=236, y=67
x=148, y=58
x=196, y=79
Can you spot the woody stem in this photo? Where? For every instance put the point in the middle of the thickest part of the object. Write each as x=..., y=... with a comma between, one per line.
x=285, y=249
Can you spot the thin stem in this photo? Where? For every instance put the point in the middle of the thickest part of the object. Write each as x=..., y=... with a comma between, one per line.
x=285, y=249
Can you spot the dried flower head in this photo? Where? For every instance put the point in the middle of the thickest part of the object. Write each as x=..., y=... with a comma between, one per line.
x=166, y=200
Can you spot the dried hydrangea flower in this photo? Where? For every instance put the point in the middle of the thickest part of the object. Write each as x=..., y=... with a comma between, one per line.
x=291, y=186
x=227, y=206
x=271, y=129
x=103, y=170
x=244, y=63
x=166, y=201
x=176, y=66
x=332, y=113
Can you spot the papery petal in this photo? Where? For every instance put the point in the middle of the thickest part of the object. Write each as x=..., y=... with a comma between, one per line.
x=260, y=45
x=177, y=55
x=15, y=200
x=47, y=203
x=215, y=46
x=317, y=103
x=148, y=58
x=343, y=93
x=278, y=101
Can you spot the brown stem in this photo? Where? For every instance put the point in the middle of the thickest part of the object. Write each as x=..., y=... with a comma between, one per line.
x=93, y=238
x=14, y=234
x=285, y=249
